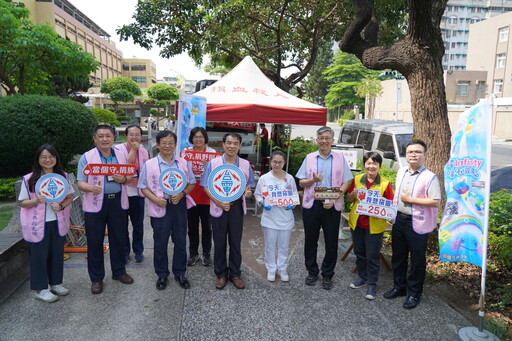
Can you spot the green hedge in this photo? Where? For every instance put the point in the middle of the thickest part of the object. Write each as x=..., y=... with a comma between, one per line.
x=28, y=121
x=7, y=191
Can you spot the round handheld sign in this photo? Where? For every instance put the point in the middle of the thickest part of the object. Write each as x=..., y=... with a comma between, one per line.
x=227, y=183
x=172, y=181
x=53, y=186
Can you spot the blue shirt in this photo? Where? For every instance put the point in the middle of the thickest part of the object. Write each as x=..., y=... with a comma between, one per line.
x=110, y=186
x=324, y=167
x=163, y=166
x=208, y=170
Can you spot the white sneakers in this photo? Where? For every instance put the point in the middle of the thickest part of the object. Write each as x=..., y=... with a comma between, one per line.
x=46, y=296
x=59, y=290
x=284, y=276
x=271, y=276
x=52, y=294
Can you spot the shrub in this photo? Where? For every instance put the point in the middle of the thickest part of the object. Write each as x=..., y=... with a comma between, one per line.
x=29, y=121
x=105, y=116
x=298, y=151
x=500, y=210
x=7, y=190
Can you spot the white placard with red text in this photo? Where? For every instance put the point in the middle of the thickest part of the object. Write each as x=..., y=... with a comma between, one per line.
x=198, y=160
x=372, y=204
x=275, y=195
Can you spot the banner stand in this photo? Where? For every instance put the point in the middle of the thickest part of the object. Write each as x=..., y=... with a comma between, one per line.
x=474, y=333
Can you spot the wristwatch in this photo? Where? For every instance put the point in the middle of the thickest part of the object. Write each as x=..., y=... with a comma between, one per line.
x=61, y=207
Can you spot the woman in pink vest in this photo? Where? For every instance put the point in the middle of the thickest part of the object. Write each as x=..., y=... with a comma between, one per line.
x=44, y=227
x=199, y=138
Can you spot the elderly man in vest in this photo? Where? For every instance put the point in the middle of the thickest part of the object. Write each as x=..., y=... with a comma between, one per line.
x=105, y=202
x=417, y=194
x=168, y=212
x=228, y=217
x=135, y=154
x=322, y=168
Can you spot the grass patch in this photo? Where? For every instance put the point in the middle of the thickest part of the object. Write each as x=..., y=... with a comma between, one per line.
x=6, y=213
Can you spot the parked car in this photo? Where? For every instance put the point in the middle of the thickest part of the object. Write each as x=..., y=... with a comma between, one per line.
x=388, y=138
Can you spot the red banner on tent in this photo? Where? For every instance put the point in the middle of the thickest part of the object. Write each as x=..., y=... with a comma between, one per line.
x=109, y=169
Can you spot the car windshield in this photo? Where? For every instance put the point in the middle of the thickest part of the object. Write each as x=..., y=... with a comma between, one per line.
x=403, y=140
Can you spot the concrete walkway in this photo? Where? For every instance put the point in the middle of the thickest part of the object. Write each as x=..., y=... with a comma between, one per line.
x=263, y=311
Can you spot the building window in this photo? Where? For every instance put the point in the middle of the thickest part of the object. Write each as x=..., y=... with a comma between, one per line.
x=139, y=68
x=454, y=34
x=452, y=21
x=453, y=45
x=139, y=79
x=126, y=67
x=475, y=20
x=463, y=88
x=500, y=60
x=498, y=86
x=503, y=34
x=480, y=85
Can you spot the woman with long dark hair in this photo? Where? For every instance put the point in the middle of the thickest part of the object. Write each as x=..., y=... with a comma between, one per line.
x=44, y=226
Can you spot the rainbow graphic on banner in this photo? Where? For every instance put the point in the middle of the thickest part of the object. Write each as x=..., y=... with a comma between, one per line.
x=463, y=229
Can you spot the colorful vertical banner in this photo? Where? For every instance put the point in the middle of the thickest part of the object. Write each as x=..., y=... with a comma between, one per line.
x=463, y=229
x=191, y=113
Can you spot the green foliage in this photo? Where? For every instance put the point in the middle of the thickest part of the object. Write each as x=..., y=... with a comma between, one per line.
x=29, y=121
x=155, y=112
x=6, y=213
x=346, y=73
x=298, y=151
x=347, y=115
x=163, y=92
x=34, y=59
x=315, y=86
x=119, y=112
x=500, y=211
x=388, y=173
x=120, y=89
x=105, y=116
x=370, y=86
x=7, y=191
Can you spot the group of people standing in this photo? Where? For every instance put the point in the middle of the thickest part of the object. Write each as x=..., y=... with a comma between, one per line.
x=108, y=201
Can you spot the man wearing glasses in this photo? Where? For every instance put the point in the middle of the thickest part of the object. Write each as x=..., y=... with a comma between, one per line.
x=322, y=168
x=417, y=195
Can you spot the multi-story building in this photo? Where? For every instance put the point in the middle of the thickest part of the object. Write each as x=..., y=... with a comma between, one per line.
x=72, y=24
x=490, y=49
x=142, y=71
x=455, y=24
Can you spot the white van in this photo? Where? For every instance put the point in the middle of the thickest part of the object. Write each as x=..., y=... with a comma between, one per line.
x=388, y=138
x=217, y=130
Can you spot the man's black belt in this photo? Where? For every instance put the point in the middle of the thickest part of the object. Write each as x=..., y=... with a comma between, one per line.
x=404, y=216
x=112, y=195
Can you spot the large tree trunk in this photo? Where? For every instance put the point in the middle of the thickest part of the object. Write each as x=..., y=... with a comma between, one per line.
x=418, y=57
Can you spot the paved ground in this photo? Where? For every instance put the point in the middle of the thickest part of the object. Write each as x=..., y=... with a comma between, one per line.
x=263, y=311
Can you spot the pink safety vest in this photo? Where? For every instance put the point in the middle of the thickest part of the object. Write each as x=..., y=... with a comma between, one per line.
x=338, y=168
x=424, y=219
x=244, y=165
x=142, y=157
x=92, y=203
x=34, y=218
x=152, y=181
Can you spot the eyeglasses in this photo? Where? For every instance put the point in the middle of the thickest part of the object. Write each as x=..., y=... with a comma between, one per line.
x=198, y=137
x=323, y=138
x=277, y=162
x=414, y=152
x=44, y=157
x=134, y=135
x=167, y=144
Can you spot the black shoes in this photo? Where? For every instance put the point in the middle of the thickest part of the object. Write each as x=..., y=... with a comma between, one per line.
x=183, y=281
x=311, y=279
x=206, y=260
x=394, y=293
x=411, y=302
x=161, y=283
x=192, y=260
x=327, y=283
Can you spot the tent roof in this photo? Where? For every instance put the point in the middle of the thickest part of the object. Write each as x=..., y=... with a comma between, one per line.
x=245, y=94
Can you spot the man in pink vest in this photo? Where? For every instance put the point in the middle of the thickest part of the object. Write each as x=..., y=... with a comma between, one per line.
x=323, y=168
x=417, y=194
x=228, y=217
x=105, y=203
x=168, y=212
x=135, y=154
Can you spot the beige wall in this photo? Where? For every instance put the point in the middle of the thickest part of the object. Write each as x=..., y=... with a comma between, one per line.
x=484, y=47
x=144, y=78
x=104, y=50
